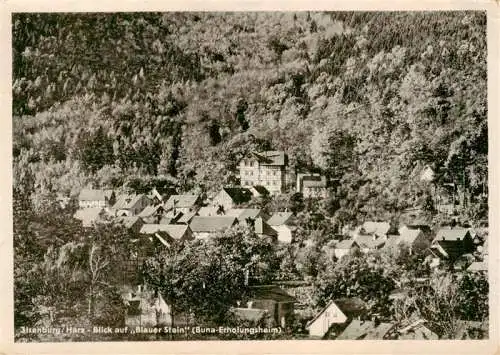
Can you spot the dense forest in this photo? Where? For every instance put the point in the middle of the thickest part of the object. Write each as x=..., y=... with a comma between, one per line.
x=176, y=99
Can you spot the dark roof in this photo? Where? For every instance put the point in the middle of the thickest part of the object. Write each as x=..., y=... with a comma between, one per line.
x=239, y=194
x=94, y=195
x=261, y=227
x=212, y=223
x=182, y=201
x=313, y=181
x=271, y=157
x=367, y=330
x=260, y=190
x=453, y=248
x=280, y=218
x=271, y=292
x=176, y=231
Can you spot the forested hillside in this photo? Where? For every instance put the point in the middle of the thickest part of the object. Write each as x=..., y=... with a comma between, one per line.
x=176, y=99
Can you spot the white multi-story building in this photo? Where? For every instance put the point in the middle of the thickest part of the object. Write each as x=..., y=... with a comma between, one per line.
x=267, y=169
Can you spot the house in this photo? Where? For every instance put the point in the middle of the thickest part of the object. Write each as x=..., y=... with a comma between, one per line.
x=369, y=243
x=183, y=203
x=168, y=234
x=411, y=236
x=282, y=222
x=335, y=312
x=148, y=308
x=230, y=197
x=263, y=229
x=451, y=243
x=242, y=214
x=90, y=198
x=152, y=213
x=267, y=169
x=478, y=266
x=204, y=227
x=366, y=330
x=345, y=247
x=132, y=223
x=312, y=185
x=90, y=215
x=130, y=204
x=276, y=301
x=416, y=330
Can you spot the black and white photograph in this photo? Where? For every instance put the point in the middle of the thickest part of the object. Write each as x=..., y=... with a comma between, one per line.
x=250, y=175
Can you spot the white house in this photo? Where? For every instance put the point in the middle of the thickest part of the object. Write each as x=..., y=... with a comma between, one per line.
x=335, y=312
x=282, y=222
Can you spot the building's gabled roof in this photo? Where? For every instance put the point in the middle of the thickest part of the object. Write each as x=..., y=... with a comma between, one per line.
x=313, y=181
x=451, y=234
x=367, y=241
x=211, y=224
x=478, y=266
x=127, y=201
x=243, y=213
x=280, y=218
x=450, y=249
x=182, y=201
x=176, y=231
x=344, y=244
x=379, y=228
x=89, y=215
x=366, y=330
x=151, y=210
x=261, y=227
x=351, y=307
x=271, y=292
x=248, y=314
x=271, y=157
x=94, y=195
x=186, y=217
x=238, y=194
x=259, y=190
x=408, y=236
x=128, y=222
